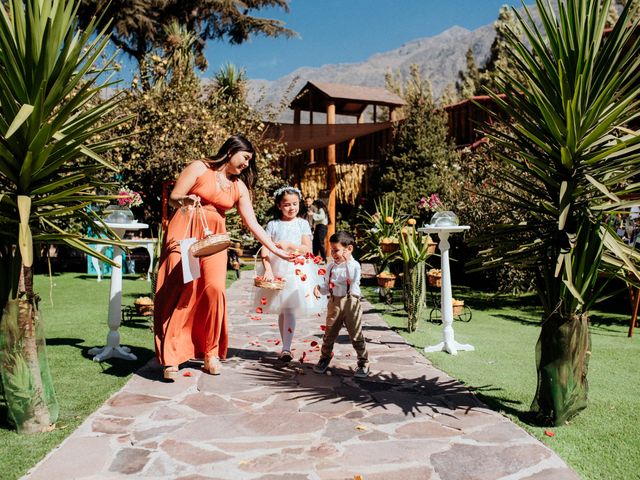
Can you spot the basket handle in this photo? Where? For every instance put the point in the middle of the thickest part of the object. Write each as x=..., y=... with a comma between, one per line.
x=202, y=217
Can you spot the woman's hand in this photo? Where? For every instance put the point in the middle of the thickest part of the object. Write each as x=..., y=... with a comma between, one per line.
x=284, y=254
x=189, y=200
x=268, y=275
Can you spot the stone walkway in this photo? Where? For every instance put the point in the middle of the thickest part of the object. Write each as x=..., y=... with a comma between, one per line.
x=262, y=420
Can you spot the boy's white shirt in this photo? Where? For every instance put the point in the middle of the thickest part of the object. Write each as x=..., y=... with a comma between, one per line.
x=338, y=272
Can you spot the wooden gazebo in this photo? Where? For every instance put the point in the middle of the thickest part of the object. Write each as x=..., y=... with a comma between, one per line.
x=356, y=141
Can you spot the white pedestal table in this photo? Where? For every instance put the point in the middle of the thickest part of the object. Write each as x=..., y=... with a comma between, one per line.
x=448, y=343
x=113, y=349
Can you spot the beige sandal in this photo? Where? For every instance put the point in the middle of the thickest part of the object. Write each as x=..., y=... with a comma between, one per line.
x=170, y=373
x=212, y=365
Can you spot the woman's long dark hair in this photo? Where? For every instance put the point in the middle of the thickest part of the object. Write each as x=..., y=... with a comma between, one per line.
x=233, y=145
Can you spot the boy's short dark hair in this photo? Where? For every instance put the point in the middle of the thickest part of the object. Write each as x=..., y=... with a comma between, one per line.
x=343, y=238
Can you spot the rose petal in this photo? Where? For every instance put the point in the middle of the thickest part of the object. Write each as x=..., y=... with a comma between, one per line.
x=289, y=329
x=313, y=343
x=263, y=301
x=323, y=327
x=303, y=277
x=186, y=374
x=322, y=271
x=258, y=310
x=277, y=342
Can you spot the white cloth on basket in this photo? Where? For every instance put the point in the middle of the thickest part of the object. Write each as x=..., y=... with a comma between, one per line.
x=300, y=280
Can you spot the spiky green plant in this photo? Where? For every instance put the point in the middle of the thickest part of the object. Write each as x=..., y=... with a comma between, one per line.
x=569, y=161
x=50, y=148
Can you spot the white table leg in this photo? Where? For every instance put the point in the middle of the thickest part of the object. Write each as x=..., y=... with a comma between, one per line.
x=113, y=349
x=150, y=249
x=448, y=343
x=96, y=263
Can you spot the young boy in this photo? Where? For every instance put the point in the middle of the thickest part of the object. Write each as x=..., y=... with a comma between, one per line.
x=342, y=284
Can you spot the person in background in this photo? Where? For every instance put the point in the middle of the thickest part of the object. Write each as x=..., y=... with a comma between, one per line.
x=310, y=210
x=320, y=227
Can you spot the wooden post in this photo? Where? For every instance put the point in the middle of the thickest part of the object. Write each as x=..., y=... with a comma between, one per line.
x=312, y=152
x=393, y=114
x=296, y=116
x=331, y=176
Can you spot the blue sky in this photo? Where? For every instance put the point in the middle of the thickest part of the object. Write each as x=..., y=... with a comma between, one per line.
x=347, y=31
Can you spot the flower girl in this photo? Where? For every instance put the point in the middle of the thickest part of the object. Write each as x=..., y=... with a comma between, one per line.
x=293, y=234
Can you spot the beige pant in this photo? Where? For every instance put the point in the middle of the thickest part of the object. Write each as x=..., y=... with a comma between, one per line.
x=345, y=311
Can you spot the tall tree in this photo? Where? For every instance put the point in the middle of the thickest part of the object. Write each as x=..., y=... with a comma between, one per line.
x=137, y=26
x=421, y=159
x=571, y=161
x=468, y=80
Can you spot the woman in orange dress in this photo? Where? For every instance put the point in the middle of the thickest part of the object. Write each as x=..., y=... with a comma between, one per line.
x=190, y=319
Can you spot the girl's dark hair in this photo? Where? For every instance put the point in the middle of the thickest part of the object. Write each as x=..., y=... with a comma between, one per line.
x=233, y=145
x=279, y=195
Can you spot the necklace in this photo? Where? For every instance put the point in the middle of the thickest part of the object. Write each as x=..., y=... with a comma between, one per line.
x=223, y=182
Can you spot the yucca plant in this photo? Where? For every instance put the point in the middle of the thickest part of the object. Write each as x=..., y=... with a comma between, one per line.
x=570, y=159
x=414, y=252
x=51, y=119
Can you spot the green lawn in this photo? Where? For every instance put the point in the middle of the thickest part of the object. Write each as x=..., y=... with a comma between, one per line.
x=604, y=440
x=75, y=322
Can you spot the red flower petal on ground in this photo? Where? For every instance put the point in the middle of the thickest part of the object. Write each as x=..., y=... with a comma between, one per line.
x=314, y=343
x=186, y=374
x=298, y=271
x=258, y=310
x=304, y=355
x=289, y=329
x=277, y=342
x=263, y=300
x=323, y=327
x=317, y=259
x=549, y=433
x=322, y=271
x=303, y=277
x=298, y=261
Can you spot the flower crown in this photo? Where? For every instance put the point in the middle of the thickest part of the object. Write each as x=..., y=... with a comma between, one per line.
x=286, y=188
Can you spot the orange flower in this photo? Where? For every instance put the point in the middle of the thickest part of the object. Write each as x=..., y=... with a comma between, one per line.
x=411, y=221
x=388, y=220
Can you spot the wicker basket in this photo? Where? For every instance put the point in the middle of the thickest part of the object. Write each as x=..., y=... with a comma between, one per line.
x=269, y=284
x=386, y=281
x=434, y=280
x=389, y=247
x=458, y=306
x=144, y=306
x=431, y=248
x=211, y=244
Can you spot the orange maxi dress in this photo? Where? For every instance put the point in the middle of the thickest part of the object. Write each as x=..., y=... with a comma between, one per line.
x=190, y=320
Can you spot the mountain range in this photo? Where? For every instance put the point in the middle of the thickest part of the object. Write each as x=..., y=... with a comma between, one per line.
x=440, y=58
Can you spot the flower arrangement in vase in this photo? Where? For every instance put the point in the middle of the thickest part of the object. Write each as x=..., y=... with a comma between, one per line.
x=441, y=217
x=121, y=213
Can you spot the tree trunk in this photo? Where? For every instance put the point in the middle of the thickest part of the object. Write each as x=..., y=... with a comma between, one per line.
x=27, y=382
x=562, y=356
x=414, y=293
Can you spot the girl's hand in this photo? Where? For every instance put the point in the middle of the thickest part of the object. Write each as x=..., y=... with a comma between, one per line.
x=268, y=276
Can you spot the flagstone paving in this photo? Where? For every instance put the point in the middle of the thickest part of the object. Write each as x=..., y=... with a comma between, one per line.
x=262, y=420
